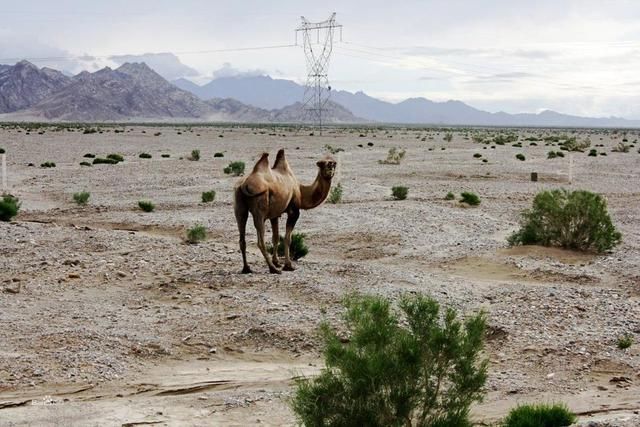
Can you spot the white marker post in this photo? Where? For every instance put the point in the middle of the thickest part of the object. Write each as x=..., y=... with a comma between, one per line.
x=4, y=173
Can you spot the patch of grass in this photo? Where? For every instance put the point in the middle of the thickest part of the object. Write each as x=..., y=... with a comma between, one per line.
x=624, y=341
x=540, y=415
x=335, y=196
x=569, y=219
x=297, y=249
x=145, y=156
x=234, y=168
x=520, y=157
x=392, y=361
x=218, y=155
x=394, y=157
x=117, y=157
x=450, y=196
x=81, y=198
x=101, y=161
x=48, y=165
x=469, y=198
x=196, y=234
x=208, y=196
x=9, y=207
x=399, y=192
x=195, y=155
x=146, y=205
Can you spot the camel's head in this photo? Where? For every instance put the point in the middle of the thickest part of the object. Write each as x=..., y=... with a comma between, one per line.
x=327, y=167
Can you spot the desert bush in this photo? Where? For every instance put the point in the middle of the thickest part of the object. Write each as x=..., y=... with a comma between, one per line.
x=477, y=155
x=89, y=156
x=450, y=196
x=235, y=168
x=9, y=207
x=572, y=144
x=297, y=249
x=469, y=198
x=165, y=156
x=332, y=149
x=196, y=234
x=399, y=192
x=575, y=220
x=412, y=368
x=90, y=130
x=145, y=156
x=624, y=341
x=81, y=198
x=520, y=157
x=621, y=148
x=195, y=155
x=100, y=161
x=335, y=196
x=541, y=415
x=116, y=157
x=157, y=134
x=85, y=164
x=394, y=157
x=218, y=155
x=2, y=151
x=593, y=152
x=208, y=196
x=48, y=165
x=448, y=137
x=146, y=205
x=551, y=155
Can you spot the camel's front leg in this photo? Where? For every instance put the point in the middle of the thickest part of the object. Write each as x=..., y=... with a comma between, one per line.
x=275, y=241
x=292, y=218
x=259, y=223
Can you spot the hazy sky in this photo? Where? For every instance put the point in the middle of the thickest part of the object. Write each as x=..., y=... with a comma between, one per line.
x=578, y=57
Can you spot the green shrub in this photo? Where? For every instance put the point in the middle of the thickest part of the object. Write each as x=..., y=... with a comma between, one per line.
x=89, y=156
x=332, y=149
x=81, y=198
x=297, y=249
x=450, y=196
x=196, y=234
x=117, y=157
x=335, y=196
x=552, y=155
x=235, y=168
x=448, y=137
x=624, y=341
x=2, y=151
x=394, y=157
x=100, y=161
x=541, y=415
x=621, y=148
x=48, y=165
x=165, y=156
x=575, y=220
x=520, y=157
x=469, y=198
x=208, y=196
x=399, y=192
x=85, y=164
x=593, y=152
x=218, y=155
x=416, y=367
x=9, y=207
x=477, y=155
x=195, y=155
x=146, y=205
x=145, y=156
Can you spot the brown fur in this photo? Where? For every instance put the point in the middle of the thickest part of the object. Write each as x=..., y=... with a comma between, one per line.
x=267, y=193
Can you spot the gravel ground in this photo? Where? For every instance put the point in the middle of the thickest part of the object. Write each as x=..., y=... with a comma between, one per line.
x=100, y=297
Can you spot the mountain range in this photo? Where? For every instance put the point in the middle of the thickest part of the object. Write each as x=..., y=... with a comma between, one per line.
x=134, y=91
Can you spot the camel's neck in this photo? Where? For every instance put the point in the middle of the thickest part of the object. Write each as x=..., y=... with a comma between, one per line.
x=314, y=194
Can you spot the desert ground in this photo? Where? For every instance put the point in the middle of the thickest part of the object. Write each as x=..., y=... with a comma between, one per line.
x=109, y=318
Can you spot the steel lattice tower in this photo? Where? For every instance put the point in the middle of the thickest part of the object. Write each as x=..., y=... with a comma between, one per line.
x=318, y=45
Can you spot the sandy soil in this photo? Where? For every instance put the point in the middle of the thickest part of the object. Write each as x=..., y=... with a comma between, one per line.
x=109, y=318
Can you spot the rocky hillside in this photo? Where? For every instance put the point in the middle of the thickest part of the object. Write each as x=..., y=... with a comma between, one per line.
x=23, y=85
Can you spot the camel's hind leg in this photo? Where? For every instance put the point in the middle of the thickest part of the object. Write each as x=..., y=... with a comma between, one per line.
x=259, y=223
x=242, y=214
x=275, y=240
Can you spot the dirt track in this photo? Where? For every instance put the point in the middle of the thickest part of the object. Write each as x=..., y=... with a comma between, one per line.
x=109, y=318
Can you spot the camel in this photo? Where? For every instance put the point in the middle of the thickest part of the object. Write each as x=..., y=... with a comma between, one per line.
x=268, y=193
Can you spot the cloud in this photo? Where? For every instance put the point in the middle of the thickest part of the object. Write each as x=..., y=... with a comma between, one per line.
x=228, y=70
x=166, y=64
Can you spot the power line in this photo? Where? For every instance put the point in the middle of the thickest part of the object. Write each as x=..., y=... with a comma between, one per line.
x=194, y=52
